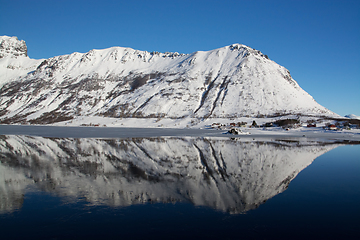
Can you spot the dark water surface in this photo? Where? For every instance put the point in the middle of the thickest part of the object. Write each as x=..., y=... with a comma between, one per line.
x=177, y=188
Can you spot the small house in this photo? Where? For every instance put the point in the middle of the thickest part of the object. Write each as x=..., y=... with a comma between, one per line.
x=215, y=125
x=332, y=127
x=241, y=124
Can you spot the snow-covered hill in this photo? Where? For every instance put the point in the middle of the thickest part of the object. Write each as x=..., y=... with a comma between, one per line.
x=352, y=116
x=233, y=81
x=221, y=173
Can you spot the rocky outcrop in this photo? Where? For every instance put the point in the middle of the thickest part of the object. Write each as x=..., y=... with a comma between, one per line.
x=12, y=46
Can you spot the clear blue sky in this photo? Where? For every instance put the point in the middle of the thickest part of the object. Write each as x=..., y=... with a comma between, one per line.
x=318, y=41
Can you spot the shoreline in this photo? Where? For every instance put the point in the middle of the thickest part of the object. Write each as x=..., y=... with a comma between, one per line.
x=274, y=133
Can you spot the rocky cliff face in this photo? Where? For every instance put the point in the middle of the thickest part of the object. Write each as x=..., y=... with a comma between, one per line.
x=14, y=62
x=229, y=82
x=223, y=174
x=12, y=47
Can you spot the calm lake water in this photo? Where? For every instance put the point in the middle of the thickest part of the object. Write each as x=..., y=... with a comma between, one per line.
x=177, y=188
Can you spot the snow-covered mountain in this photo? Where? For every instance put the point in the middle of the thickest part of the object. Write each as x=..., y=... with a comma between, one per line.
x=221, y=173
x=352, y=116
x=233, y=81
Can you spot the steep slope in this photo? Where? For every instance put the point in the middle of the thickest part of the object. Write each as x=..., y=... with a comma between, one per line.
x=232, y=81
x=14, y=61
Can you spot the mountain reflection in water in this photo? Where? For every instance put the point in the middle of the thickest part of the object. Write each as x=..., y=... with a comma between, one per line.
x=224, y=174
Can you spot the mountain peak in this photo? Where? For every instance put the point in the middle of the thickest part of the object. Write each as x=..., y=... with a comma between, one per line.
x=236, y=46
x=12, y=46
x=242, y=47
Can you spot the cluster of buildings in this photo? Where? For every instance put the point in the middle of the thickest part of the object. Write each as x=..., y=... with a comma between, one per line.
x=287, y=124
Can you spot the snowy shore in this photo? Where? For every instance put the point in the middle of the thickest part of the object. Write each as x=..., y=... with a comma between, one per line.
x=248, y=134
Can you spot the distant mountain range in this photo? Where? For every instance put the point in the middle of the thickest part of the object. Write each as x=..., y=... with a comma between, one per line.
x=229, y=82
x=352, y=116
